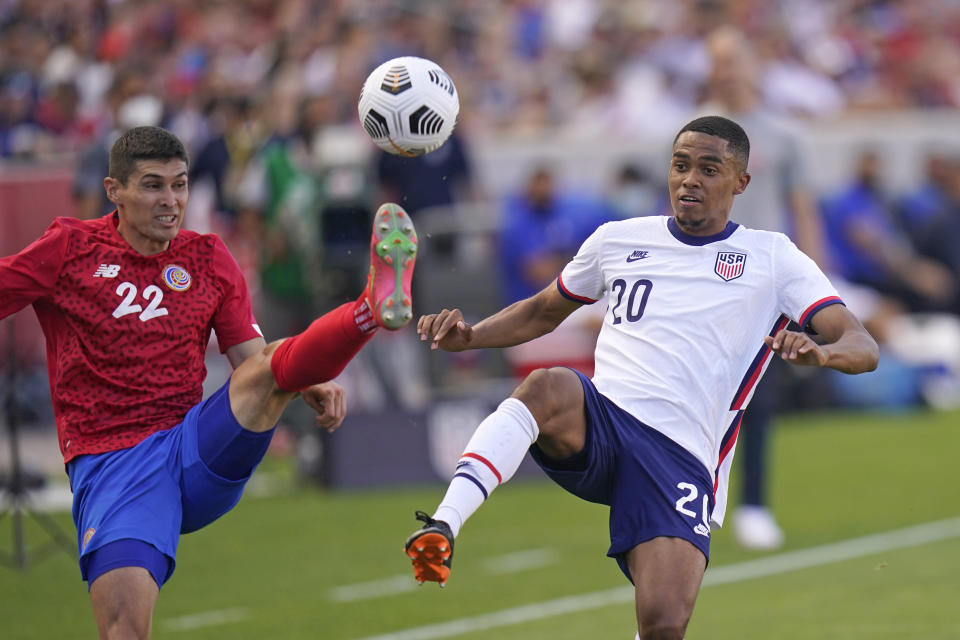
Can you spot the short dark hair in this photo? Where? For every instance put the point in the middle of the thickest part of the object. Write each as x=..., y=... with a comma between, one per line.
x=736, y=137
x=143, y=143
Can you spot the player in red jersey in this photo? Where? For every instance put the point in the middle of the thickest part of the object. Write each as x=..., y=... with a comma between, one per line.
x=127, y=303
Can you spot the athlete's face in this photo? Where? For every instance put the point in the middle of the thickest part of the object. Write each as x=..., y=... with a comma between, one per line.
x=704, y=177
x=151, y=204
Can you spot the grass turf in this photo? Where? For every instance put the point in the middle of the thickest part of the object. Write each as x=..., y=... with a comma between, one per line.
x=276, y=567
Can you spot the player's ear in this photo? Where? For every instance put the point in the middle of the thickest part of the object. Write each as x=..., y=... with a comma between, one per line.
x=742, y=183
x=112, y=187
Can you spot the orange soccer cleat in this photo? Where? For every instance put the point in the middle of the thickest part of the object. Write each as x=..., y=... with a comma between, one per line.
x=431, y=550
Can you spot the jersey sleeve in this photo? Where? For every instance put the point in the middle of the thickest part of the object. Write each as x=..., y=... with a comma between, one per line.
x=582, y=278
x=802, y=289
x=233, y=321
x=32, y=273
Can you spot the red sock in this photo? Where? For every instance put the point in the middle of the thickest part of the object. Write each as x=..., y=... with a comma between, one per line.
x=322, y=351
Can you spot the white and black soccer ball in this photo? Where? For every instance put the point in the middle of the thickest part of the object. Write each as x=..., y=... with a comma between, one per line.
x=408, y=106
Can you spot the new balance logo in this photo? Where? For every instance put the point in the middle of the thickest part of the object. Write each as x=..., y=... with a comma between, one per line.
x=107, y=271
x=637, y=255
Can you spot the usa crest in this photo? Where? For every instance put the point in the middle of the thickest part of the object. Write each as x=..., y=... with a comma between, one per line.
x=176, y=277
x=730, y=264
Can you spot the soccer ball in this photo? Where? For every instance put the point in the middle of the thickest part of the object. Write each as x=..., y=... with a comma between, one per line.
x=408, y=106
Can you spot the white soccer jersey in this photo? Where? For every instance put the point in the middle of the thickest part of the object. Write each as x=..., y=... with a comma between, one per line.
x=682, y=341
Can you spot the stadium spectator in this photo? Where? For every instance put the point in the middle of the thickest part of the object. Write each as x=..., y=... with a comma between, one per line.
x=633, y=192
x=665, y=362
x=222, y=159
x=931, y=214
x=533, y=66
x=868, y=248
x=438, y=179
x=916, y=208
x=543, y=225
x=147, y=460
x=779, y=199
x=129, y=104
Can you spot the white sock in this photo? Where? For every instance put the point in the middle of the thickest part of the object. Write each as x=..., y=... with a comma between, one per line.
x=492, y=456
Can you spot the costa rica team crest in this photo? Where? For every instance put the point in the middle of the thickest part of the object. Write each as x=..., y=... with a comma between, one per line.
x=729, y=265
x=176, y=277
x=86, y=537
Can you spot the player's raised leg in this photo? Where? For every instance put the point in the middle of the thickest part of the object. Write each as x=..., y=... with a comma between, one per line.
x=262, y=385
x=547, y=408
x=238, y=422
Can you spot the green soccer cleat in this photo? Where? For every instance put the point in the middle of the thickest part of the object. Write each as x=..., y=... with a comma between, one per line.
x=393, y=253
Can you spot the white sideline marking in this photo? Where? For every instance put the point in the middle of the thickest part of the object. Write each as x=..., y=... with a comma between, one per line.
x=771, y=565
x=373, y=589
x=521, y=561
x=205, y=619
x=500, y=565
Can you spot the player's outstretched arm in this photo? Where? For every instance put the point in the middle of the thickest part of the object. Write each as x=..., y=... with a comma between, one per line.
x=520, y=322
x=849, y=347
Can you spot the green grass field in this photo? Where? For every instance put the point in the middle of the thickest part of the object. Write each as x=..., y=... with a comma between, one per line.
x=310, y=564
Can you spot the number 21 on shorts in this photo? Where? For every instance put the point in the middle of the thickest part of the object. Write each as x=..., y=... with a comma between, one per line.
x=690, y=494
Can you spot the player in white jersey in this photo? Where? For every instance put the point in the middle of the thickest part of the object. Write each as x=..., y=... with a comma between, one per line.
x=697, y=307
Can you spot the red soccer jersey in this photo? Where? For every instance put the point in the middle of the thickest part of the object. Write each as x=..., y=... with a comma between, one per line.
x=126, y=333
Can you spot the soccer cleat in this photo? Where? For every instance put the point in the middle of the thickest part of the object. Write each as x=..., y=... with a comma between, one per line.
x=431, y=550
x=393, y=252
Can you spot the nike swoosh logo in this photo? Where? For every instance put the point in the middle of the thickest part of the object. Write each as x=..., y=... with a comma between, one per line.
x=635, y=258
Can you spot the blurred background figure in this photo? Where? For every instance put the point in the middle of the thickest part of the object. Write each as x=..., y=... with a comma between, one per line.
x=634, y=192
x=778, y=198
x=542, y=228
x=441, y=178
x=870, y=249
x=220, y=161
x=901, y=259
x=920, y=205
x=128, y=103
x=930, y=216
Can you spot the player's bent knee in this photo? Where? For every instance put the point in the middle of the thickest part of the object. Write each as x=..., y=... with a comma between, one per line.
x=255, y=398
x=259, y=370
x=663, y=632
x=125, y=630
x=663, y=624
x=549, y=392
x=663, y=621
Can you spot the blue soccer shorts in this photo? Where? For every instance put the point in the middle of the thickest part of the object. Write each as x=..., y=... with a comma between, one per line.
x=653, y=486
x=156, y=490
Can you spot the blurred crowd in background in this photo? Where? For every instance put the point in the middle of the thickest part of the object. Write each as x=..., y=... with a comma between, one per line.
x=525, y=66
x=263, y=93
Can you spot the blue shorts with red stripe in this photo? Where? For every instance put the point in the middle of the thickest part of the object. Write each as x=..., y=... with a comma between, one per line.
x=653, y=486
x=156, y=490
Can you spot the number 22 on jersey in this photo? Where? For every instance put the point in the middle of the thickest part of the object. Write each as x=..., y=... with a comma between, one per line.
x=152, y=294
